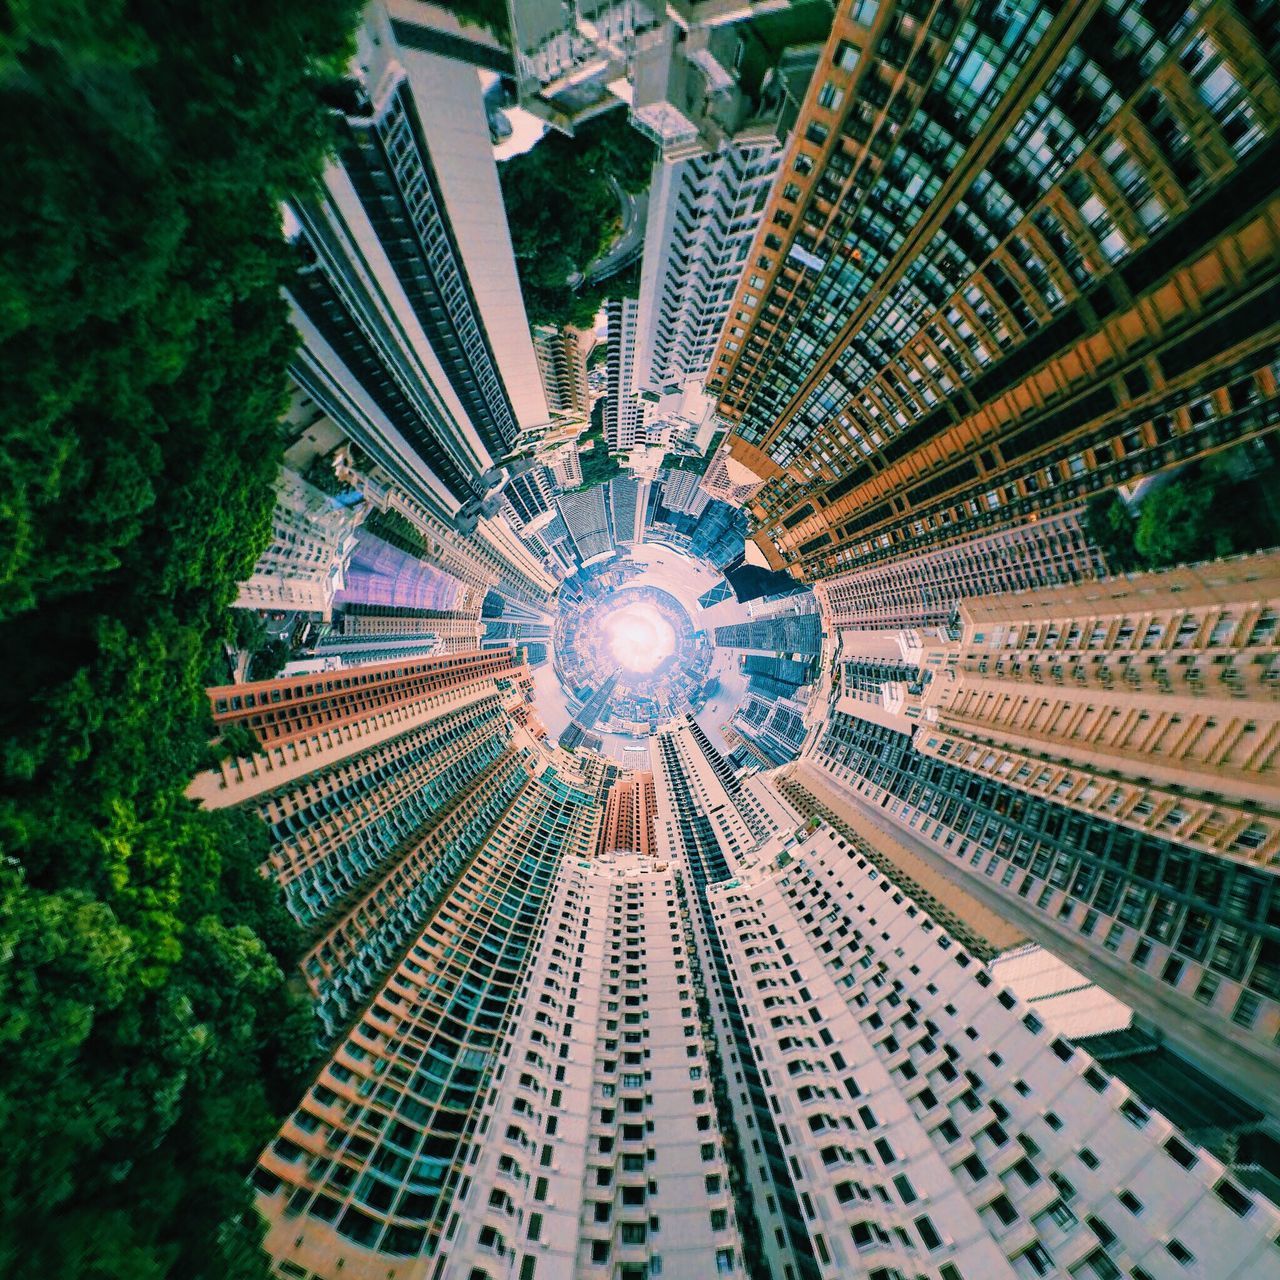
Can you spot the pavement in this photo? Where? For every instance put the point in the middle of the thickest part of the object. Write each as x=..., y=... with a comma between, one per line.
x=630, y=242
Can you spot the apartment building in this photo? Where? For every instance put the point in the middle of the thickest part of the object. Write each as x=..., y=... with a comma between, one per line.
x=1016, y=255
x=934, y=1121
x=1150, y=885
x=413, y=334
x=586, y=516
x=923, y=590
x=365, y=1177
x=623, y=420
x=607, y=1159
x=628, y=815
x=703, y=214
x=312, y=540
x=562, y=364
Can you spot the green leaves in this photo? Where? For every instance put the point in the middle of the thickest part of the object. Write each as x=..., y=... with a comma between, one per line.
x=563, y=211
x=147, y=1039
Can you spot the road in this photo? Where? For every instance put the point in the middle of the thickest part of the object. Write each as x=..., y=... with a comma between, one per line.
x=630, y=242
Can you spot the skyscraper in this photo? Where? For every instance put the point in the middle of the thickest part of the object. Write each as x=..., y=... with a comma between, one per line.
x=923, y=590
x=369, y=1167
x=1016, y=254
x=626, y=508
x=586, y=516
x=702, y=218
x=622, y=416
x=628, y=815
x=562, y=364
x=414, y=338
x=783, y=633
x=1095, y=797
x=526, y=495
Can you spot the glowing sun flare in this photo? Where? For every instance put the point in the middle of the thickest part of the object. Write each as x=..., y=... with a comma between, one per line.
x=639, y=637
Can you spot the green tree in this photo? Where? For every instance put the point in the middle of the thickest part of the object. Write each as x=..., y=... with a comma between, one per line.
x=490, y=14
x=563, y=212
x=1180, y=522
x=148, y=1039
x=1111, y=528
x=270, y=660
x=249, y=631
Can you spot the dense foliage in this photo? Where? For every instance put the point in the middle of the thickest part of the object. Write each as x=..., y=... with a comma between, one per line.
x=598, y=465
x=490, y=14
x=1221, y=505
x=147, y=1039
x=564, y=211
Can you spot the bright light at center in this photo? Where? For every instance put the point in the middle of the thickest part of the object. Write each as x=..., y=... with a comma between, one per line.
x=639, y=637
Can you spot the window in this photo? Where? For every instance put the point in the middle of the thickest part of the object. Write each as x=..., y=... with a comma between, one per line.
x=1246, y=1009
x=1180, y=1253
x=1088, y=1159
x=1130, y=1201
x=1003, y=1208
x=1105, y=1235
x=928, y=1233
x=1233, y=1198
x=1037, y=1259
x=830, y=96
x=847, y=55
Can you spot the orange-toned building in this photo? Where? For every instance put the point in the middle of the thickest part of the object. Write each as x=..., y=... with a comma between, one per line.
x=628, y=816
x=1015, y=255
x=377, y=785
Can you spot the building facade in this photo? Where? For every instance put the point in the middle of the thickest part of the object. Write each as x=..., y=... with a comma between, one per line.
x=702, y=219
x=1123, y=847
x=312, y=540
x=526, y=496
x=413, y=334
x=342, y=1202
x=627, y=497
x=623, y=420
x=1017, y=254
x=933, y=1119
x=562, y=364
x=923, y=590
x=628, y=816
x=586, y=516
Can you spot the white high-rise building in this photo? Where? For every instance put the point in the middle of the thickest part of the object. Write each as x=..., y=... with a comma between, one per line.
x=601, y=1153
x=933, y=1120
x=682, y=492
x=586, y=516
x=703, y=215
x=312, y=538
x=414, y=334
x=623, y=419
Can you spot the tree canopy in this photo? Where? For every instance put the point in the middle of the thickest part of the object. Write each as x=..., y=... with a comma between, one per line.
x=149, y=1041
x=563, y=212
x=1221, y=505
